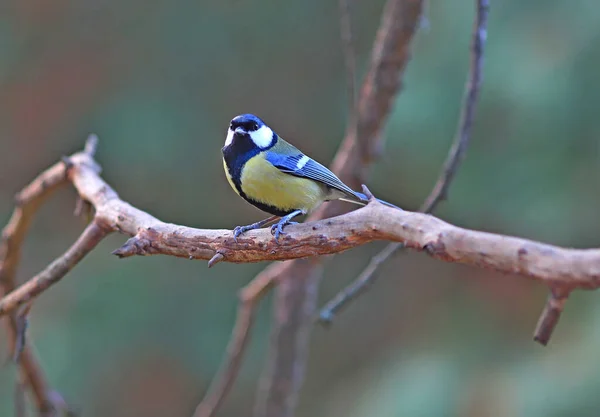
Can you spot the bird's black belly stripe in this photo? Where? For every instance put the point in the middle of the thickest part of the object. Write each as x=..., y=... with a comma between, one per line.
x=266, y=207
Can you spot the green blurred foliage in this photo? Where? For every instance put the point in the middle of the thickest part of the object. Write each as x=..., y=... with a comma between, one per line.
x=159, y=81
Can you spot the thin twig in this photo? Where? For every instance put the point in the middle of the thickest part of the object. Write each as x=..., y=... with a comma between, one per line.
x=91, y=236
x=453, y=160
x=28, y=202
x=390, y=55
x=357, y=287
x=222, y=383
x=349, y=59
x=550, y=315
x=472, y=88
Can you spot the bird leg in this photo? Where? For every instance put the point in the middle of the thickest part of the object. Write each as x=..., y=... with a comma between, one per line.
x=241, y=229
x=277, y=228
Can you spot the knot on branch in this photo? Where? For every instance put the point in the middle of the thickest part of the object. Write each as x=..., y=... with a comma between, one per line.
x=435, y=248
x=135, y=246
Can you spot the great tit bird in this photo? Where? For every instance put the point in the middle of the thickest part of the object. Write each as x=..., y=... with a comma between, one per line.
x=275, y=177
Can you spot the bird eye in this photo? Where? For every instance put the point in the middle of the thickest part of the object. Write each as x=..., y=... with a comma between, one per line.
x=254, y=126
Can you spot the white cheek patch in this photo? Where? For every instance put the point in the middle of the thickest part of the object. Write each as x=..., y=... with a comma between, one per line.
x=229, y=138
x=262, y=137
x=301, y=162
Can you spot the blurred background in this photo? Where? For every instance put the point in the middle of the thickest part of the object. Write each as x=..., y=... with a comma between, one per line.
x=159, y=81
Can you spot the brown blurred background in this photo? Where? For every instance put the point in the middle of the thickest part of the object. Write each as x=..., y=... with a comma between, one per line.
x=159, y=81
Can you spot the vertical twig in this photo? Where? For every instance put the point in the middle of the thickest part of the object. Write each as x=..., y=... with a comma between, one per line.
x=27, y=203
x=472, y=88
x=455, y=156
x=349, y=60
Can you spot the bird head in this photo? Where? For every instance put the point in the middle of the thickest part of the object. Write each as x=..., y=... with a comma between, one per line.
x=248, y=126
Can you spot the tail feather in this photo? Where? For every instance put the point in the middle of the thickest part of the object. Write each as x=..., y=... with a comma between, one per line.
x=364, y=200
x=353, y=201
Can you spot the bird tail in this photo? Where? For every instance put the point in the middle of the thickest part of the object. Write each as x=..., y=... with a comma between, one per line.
x=363, y=200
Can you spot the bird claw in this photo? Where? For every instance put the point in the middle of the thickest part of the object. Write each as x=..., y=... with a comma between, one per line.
x=277, y=229
x=238, y=231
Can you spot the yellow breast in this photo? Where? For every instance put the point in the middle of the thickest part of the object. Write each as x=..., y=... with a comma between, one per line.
x=266, y=184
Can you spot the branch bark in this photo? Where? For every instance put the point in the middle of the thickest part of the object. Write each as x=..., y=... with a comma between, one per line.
x=553, y=265
x=390, y=55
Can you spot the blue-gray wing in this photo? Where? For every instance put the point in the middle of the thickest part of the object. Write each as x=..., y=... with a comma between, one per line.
x=303, y=166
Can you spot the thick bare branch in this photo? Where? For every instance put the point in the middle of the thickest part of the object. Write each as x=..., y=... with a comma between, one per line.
x=390, y=54
x=455, y=156
x=389, y=57
x=576, y=268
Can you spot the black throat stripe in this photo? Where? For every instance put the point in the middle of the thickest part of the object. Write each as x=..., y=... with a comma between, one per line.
x=240, y=151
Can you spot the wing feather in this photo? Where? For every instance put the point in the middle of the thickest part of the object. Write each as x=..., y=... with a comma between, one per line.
x=301, y=166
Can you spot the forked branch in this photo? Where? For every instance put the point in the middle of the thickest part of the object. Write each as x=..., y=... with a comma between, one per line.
x=28, y=201
x=455, y=156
